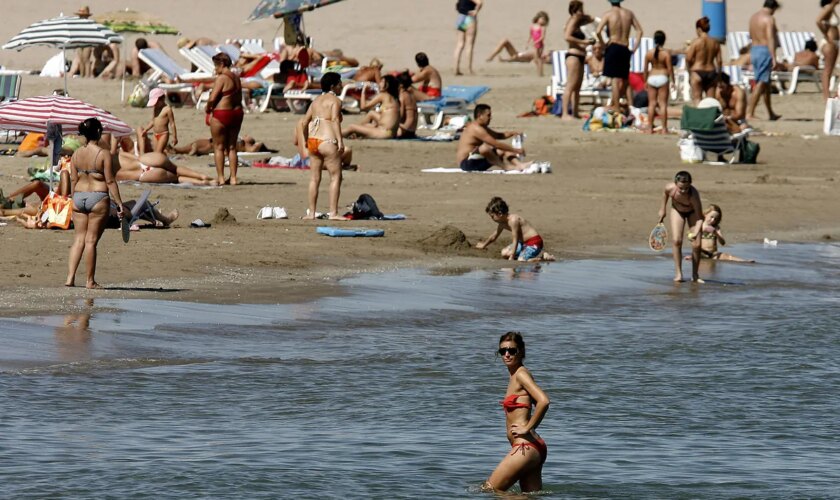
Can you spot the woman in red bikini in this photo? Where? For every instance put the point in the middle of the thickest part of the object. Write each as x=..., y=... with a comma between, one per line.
x=527, y=456
x=224, y=115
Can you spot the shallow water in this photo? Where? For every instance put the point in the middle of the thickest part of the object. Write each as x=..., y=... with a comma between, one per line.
x=658, y=390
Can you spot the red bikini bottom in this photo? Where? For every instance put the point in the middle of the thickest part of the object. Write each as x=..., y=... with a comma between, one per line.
x=538, y=445
x=228, y=117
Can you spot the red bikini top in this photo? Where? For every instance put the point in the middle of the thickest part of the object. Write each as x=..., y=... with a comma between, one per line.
x=510, y=404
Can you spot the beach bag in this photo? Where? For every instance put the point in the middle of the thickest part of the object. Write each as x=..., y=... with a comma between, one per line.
x=831, y=125
x=689, y=152
x=749, y=151
x=57, y=212
x=365, y=208
x=139, y=97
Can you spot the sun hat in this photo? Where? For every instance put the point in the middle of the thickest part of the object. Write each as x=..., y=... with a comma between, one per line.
x=154, y=95
x=84, y=11
x=182, y=41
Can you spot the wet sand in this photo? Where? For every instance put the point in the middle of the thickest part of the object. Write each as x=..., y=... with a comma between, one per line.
x=600, y=202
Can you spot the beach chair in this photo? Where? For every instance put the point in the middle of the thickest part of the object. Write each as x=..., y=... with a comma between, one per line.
x=735, y=41
x=252, y=43
x=790, y=43
x=637, y=63
x=559, y=76
x=454, y=100
x=10, y=87
x=163, y=65
x=707, y=128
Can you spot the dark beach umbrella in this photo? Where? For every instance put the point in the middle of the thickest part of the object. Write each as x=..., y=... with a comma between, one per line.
x=64, y=32
x=280, y=8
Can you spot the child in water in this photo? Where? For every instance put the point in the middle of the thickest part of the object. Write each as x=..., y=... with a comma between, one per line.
x=710, y=236
x=527, y=245
x=162, y=118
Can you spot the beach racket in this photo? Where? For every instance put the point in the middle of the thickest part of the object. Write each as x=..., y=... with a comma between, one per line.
x=658, y=238
x=125, y=227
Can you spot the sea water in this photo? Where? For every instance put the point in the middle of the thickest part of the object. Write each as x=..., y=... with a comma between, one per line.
x=391, y=389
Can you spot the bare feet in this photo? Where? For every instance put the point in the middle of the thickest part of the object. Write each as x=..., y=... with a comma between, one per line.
x=338, y=217
x=678, y=278
x=458, y=73
x=170, y=218
x=548, y=257
x=308, y=217
x=233, y=181
x=774, y=118
x=697, y=279
x=218, y=182
x=92, y=285
x=70, y=284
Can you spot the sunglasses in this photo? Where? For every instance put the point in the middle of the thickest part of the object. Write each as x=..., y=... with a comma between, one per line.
x=508, y=350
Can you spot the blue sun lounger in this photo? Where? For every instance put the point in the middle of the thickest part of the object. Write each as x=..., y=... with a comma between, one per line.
x=454, y=100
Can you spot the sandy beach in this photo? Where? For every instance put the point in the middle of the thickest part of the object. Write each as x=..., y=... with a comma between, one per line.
x=600, y=202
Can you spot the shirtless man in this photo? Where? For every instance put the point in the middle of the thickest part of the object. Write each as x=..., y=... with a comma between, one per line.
x=138, y=67
x=733, y=100
x=382, y=124
x=763, y=56
x=481, y=147
x=617, y=56
x=704, y=61
x=595, y=61
x=428, y=77
x=408, y=108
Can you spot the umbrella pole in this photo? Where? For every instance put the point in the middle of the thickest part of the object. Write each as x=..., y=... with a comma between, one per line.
x=64, y=66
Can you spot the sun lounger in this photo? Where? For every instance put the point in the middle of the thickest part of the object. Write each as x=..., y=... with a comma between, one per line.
x=790, y=43
x=252, y=43
x=559, y=76
x=735, y=41
x=454, y=100
x=299, y=100
x=163, y=65
x=10, y=87
x=709, y=132
x=637, y=63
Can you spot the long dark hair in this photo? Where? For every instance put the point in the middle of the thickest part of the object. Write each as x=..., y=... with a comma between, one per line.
x=91, y=129
x=659, y=40
x=393, y=86
x=516, y=338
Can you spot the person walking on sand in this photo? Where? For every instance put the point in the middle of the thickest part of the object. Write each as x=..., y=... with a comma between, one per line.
x=320, y=131
x=163, y=117
x=224, y=116
x=528, y=452
x=575, y=58
x=686, y=208
x=704, y=61
x=828, y=22
x=94, y=185
x=659, y=73
x=619, y=21
x=763, y=56
x=481, y=147
x=467, y=26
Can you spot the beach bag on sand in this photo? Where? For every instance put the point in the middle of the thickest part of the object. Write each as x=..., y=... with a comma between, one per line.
x=749, y=151
x=139, y=97
x=831, y=125
x=689, y=152
x=365, y=208
x=57, y=212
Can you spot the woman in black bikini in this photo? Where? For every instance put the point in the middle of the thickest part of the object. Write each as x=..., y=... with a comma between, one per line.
x=92, y=180
x=685, y=208
x=525, y=461
x=224, y=116
x=575, y=58
x=704, y=60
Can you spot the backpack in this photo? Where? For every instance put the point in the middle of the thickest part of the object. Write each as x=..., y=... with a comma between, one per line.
x=365, y=208
x=749, y=151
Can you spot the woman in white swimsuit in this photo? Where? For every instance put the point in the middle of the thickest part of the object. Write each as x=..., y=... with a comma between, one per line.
x=659, y=73
x=828, y=22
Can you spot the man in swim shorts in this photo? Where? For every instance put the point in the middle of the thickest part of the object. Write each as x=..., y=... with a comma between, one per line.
x=618, y=21
x=763, y=55
x=428, y=77
x=481, y=147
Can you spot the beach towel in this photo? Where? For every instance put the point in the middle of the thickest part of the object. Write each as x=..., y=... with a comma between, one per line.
x=182, y=185
x=445, y=170
x=439, y=137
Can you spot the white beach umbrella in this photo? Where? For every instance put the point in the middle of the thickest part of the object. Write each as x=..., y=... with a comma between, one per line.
x=64, y=32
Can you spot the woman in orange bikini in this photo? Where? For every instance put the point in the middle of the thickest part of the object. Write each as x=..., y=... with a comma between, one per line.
x=525, y=461
x=320, y=131
x=224, y=115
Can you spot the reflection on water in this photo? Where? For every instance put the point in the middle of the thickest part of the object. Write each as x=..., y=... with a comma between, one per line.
x=391, y=389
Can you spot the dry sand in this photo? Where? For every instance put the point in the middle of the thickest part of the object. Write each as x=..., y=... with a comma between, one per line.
x=600, y=202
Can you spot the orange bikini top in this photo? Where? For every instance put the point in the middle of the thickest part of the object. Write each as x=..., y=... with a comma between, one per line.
x=510, y=404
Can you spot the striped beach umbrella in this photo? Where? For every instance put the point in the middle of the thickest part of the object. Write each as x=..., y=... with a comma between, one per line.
x=35, y=113
x=280, y=8
x=63, y=32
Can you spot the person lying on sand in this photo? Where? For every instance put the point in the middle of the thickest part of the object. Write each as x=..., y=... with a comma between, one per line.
x=371, y=73
x=481, y=147
x=155, y=168
x=526, y=244
x=201, y=147
x=382, y=124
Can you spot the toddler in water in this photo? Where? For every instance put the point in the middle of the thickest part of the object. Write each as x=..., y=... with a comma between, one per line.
x=162, y=118
x=710, y=236
x=527, y=245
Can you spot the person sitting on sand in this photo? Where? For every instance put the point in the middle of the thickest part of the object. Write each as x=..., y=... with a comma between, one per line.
x=408, y=108
x=163, y=118
x=733, y=101
x=536, y=36
x=710, y=236
x=371, y=73
x=526, y=244
x=481, y=147
x=15, y=205
x=686, y=210
x=428, y=77
x=382, y=124
x=137, y=67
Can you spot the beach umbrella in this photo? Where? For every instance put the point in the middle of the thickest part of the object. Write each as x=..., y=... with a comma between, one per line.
x=132, y=21
x=33, y=114
x=280, y=8
x=64, y=32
